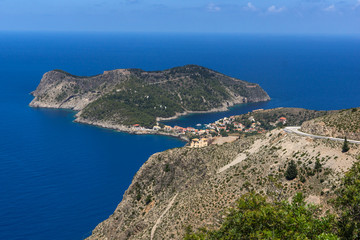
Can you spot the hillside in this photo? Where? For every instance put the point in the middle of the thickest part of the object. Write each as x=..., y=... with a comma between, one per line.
x=133, y=96
x=183, y=186
x=340, y=124
x=268, y=117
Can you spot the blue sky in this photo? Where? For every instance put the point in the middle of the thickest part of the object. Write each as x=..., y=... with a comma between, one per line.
x=235, y=16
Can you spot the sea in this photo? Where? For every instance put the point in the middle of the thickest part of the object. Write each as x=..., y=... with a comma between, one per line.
x=59, y=179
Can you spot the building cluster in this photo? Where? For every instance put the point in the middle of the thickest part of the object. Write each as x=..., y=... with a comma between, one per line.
x=233, y=125
x=221, y=127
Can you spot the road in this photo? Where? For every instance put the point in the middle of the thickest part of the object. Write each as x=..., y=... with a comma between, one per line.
x=296, y=130
x=239, y=159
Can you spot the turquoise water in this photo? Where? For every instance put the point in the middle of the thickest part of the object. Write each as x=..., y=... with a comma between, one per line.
x=59, y=179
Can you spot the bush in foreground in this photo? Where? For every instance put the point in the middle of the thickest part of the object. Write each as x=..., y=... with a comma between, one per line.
x=255, y=218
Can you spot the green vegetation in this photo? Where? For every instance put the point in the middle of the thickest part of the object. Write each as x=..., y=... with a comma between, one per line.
x=61, y=96
x=348, y=203
x=71, y=75
x=144, y=96
x=338, y=123
x=256, y=218
x=134, y=104
x=291, y=171
x=318, y=165
x=346, y=120
x=294, y=117
x=148, y=199
x=223, y=133
x=167, y=168
x=345, y=146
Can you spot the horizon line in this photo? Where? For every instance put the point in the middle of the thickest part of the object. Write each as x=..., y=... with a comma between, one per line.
x=181, y=32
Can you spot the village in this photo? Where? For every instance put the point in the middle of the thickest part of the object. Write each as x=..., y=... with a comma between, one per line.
x=223, y=130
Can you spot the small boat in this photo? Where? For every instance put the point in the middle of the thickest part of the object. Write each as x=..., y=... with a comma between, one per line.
x=198, y=125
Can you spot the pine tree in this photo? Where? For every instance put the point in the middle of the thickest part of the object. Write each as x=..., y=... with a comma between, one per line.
x=345, y=146
x=291, y=171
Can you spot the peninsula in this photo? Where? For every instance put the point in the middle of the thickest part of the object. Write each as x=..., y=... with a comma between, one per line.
x=133, y=100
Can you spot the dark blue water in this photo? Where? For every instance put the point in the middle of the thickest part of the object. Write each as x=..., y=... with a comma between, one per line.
x=59, y=179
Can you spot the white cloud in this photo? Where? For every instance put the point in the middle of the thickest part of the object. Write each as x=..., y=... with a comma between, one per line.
x=213, y=8
x=274, y=9
x=251, y=7
x=330, y=8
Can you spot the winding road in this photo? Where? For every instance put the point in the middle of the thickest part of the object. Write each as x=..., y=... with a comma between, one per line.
x=240, y=158
x=296, y=130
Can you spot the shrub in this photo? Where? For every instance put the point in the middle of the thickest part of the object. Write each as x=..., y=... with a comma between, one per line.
x=148, y=199
x=348, y=202
x=317, y=165
x=255, y=218
x=345, y=146
x=291, y=172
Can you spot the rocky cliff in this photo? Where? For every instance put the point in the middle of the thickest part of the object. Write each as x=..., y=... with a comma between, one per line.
x=340, y=124
x=183, y=186
x=133, y=96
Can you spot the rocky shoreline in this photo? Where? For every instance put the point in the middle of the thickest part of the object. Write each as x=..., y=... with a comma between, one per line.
x=130, y=129
x=139, y=130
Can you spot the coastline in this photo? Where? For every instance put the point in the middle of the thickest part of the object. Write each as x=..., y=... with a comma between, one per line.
x=177, y=115
x=224, y=108
x=130, y=129
x=142, y=130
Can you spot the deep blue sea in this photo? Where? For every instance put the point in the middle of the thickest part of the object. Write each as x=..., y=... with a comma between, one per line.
x=59, y=179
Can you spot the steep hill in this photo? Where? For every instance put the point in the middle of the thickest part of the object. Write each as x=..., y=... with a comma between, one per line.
x=340, y=124
x=185, y=186
x=134, y=96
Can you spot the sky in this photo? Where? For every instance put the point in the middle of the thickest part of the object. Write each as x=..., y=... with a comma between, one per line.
x=208, y=16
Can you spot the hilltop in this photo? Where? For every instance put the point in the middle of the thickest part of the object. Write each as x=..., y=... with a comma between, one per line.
x=195, y=186
x=340, y=124
x=124, y=97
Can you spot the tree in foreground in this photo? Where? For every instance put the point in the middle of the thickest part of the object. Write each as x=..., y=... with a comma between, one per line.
x=345, y=146
x=348, y=204
x=291, y=171
x=256, y=218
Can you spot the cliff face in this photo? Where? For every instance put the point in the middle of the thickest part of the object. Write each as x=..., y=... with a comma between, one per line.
x=129, y=96
x=184, y=186
x=59, y=89
x=340, y=124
